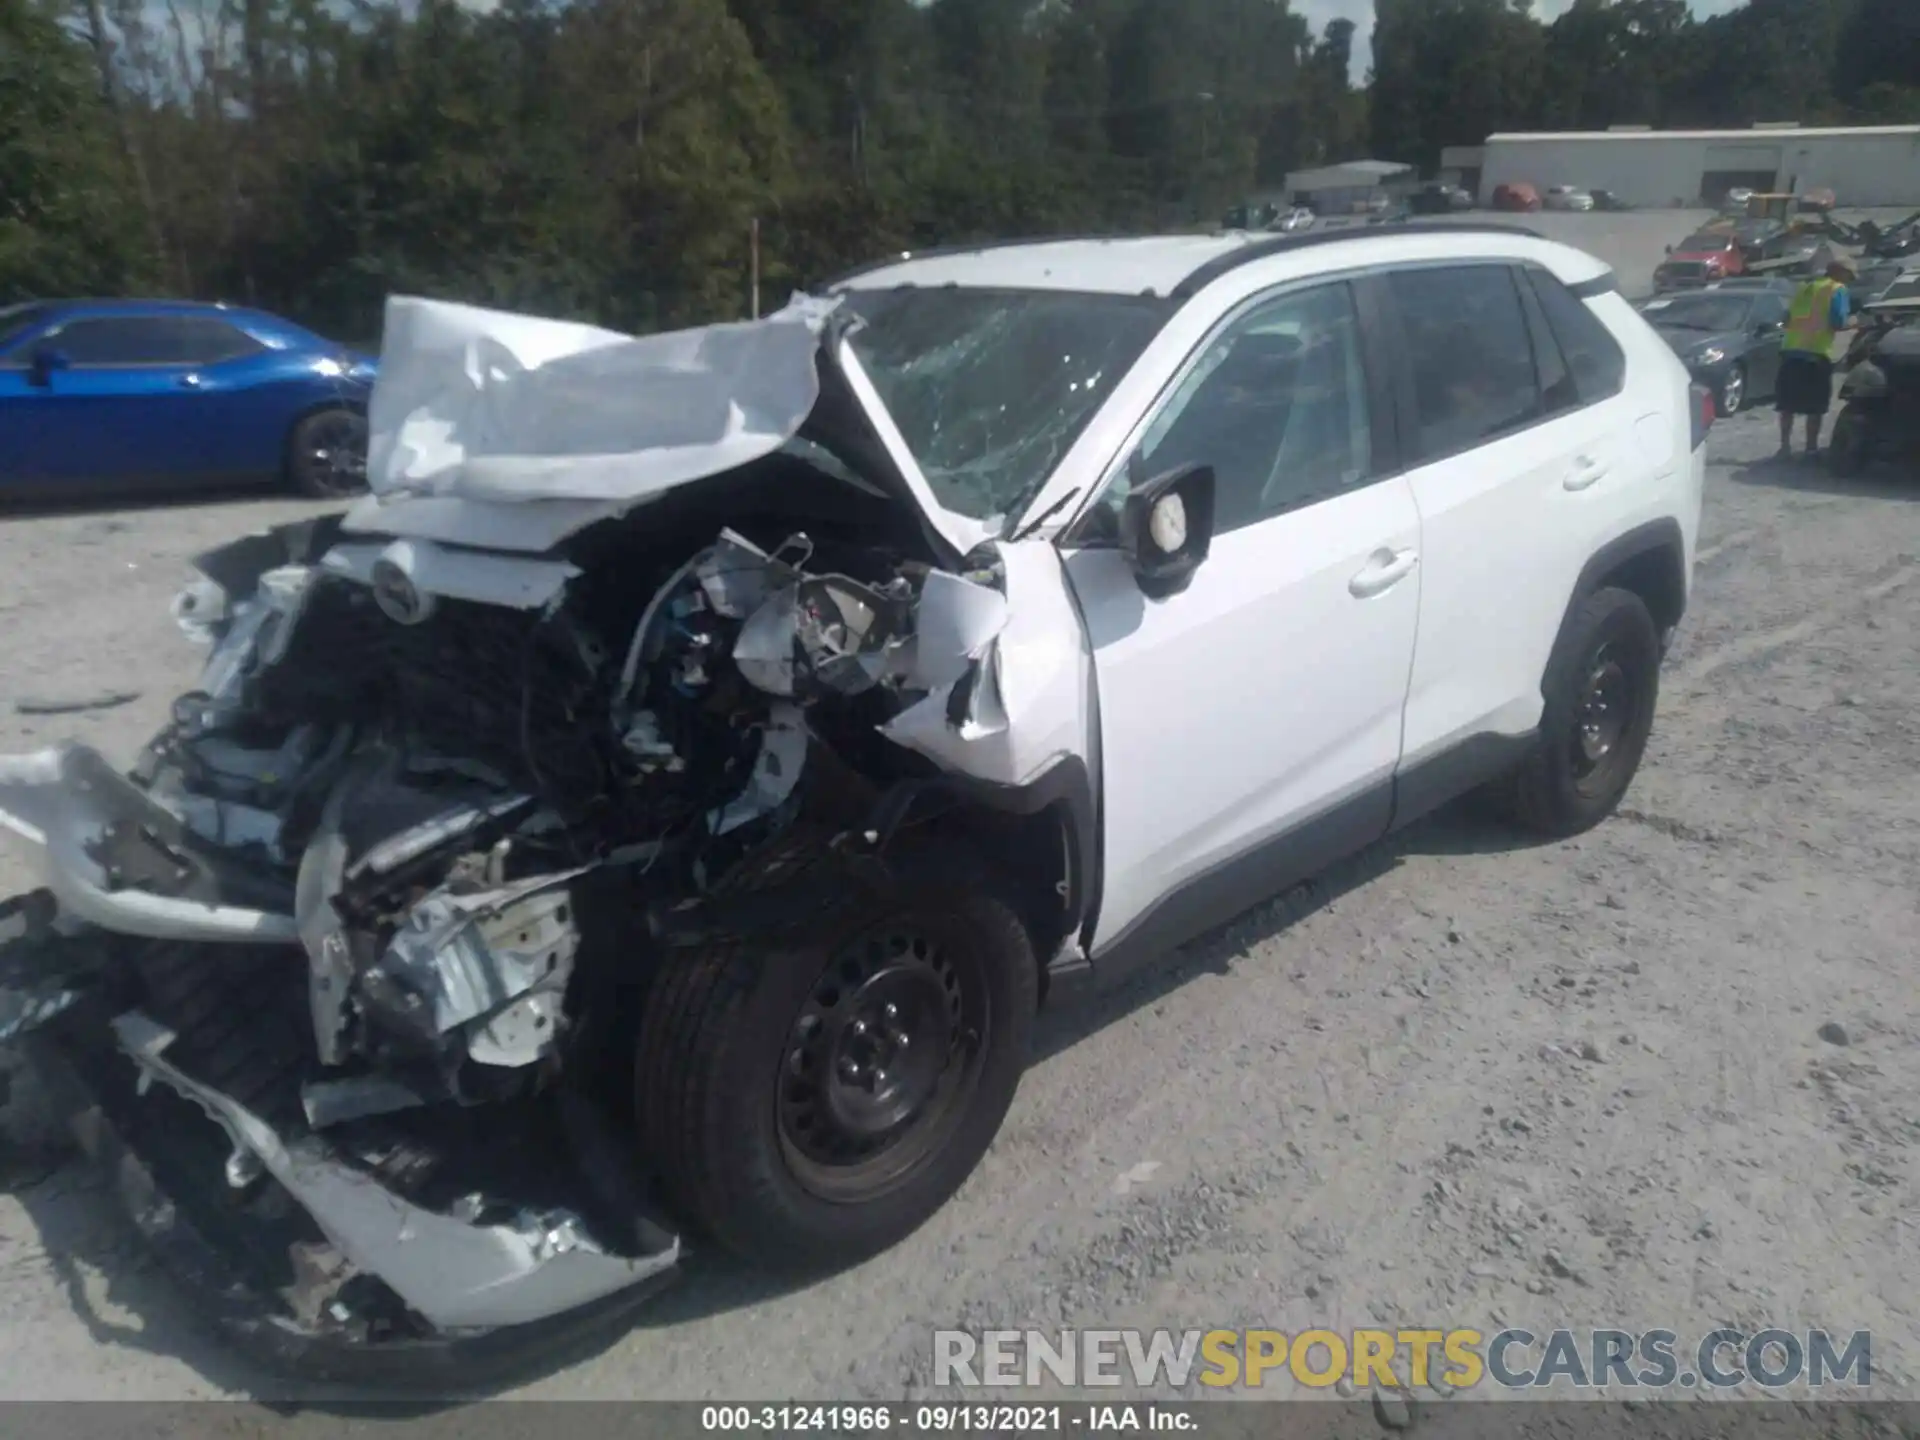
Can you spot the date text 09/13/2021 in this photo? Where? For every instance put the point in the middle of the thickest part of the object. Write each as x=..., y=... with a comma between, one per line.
x=924, y=1419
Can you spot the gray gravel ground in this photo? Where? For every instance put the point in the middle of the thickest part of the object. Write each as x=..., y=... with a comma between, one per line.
x=1469, y=1081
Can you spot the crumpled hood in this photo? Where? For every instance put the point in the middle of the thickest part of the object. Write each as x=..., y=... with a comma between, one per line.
x=493, y=406
x=510, y=431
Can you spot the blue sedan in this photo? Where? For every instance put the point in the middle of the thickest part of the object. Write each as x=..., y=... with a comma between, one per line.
x=164, y=394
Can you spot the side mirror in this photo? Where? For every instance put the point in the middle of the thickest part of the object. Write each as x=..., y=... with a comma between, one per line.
x=1166, y=529
x=1669, y=249
x=45, y=361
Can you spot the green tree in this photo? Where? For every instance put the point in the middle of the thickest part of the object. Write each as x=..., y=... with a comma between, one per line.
x=69, y=214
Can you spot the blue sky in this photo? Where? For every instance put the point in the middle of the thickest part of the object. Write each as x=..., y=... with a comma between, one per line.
x=1319, y=12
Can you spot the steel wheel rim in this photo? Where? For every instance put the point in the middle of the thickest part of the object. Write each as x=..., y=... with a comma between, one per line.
x=879, y=1063
x=1602, y=716
x=336, y=454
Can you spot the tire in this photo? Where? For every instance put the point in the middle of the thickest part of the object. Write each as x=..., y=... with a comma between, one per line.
x=1574, y=779
x=1851, y=445
x=327, y=454
x=1733, y=391
x=743, y=1161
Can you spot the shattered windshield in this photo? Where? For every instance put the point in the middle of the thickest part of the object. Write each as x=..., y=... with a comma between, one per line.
x=990, y=387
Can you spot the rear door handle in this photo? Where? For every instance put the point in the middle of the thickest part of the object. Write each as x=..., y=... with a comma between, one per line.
x=1385, y=569
x=1585, y=472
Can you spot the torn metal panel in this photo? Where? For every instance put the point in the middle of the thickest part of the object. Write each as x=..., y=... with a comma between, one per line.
x=463, y=957
x=455, y=1274
x=64, y=802
x=783, y=754
x=436, y=570
x=1024, y=702
x=334, y=1102
x=954, y=623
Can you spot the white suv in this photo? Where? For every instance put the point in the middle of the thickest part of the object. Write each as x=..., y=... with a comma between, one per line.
x=664, y=803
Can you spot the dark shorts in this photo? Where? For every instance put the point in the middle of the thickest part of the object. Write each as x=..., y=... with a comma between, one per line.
x=1805, y=386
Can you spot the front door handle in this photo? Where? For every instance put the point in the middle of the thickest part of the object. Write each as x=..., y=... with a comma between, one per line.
x=190, y=382
x=1385, y=569
x=1585, y=472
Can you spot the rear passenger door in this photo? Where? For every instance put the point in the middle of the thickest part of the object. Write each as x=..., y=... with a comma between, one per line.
x=1521, y=449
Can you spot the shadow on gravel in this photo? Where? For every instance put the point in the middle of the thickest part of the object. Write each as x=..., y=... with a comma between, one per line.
x=1457, y=829
x=125, y=1299
x=115, y=1286
x=81, y=503
x=1884, y=480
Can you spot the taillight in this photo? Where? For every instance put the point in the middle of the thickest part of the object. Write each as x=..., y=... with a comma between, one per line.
x=1703, y=414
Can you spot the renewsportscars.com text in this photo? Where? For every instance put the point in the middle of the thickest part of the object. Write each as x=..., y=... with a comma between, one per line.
x=1458, y=1359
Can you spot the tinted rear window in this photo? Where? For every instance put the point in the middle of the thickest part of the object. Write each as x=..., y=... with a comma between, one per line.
x=1471, y=355
x=1598, y=364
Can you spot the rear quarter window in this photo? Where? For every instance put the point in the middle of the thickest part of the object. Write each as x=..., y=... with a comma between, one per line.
x=1598, y=364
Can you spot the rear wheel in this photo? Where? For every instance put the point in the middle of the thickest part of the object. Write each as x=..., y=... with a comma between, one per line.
x=327, y=454
x=809, y=1103
x=1852, y=444
x=1601, y=688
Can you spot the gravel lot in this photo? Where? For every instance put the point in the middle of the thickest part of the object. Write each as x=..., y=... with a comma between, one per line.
x=1468, y=1081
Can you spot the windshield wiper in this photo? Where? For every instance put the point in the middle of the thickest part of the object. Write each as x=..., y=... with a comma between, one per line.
x=1046, y=515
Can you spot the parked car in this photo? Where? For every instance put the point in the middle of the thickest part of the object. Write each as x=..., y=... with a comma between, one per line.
x=710, y=788
x=1738, y=197
x=1880, y=394
x=162, y=394
x=1567, y=197
x=1702, y=257
x=1517, y=196
x=1439, y=199
x=1728, y=337
x=1255, y=215
x=1294, y=220
x=1607, y=200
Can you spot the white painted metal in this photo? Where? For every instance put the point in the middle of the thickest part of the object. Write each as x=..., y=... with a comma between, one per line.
x=1265, y=693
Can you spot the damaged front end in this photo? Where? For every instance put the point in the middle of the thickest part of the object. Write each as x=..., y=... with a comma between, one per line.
x=343, y=972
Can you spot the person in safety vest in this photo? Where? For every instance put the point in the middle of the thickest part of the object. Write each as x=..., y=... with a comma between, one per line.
x=1821, y=309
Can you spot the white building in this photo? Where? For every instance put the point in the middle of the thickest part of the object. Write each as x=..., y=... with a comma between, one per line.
x=1345, y=189
x=1867, y=165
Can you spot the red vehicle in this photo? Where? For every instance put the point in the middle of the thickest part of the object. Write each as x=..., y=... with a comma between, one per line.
x=1517, y=196
x=1700, y=259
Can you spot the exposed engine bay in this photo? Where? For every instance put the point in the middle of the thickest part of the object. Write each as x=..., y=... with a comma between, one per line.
x=375, y=905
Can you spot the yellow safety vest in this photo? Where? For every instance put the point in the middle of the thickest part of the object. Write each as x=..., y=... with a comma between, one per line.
x=1810, y=319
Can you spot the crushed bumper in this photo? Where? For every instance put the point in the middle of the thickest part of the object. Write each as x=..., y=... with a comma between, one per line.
x=301, y=1257
x=113, y=857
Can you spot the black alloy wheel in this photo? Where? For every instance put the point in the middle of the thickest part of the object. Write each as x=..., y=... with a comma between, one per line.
x=327, y=454
x=808, y=1096
x=1601, y=690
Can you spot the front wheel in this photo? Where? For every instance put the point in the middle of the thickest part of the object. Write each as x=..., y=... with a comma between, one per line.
x=1852, y=444
x=1601, y=688
x=812, y=1102
x=1733, y=391
x=327, y=454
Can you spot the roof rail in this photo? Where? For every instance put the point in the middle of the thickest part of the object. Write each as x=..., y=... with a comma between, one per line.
x=1307, y=240
x=1213, y=269
x=943, y=252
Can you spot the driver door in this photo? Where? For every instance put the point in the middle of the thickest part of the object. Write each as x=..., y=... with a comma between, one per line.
x=1250, y=724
